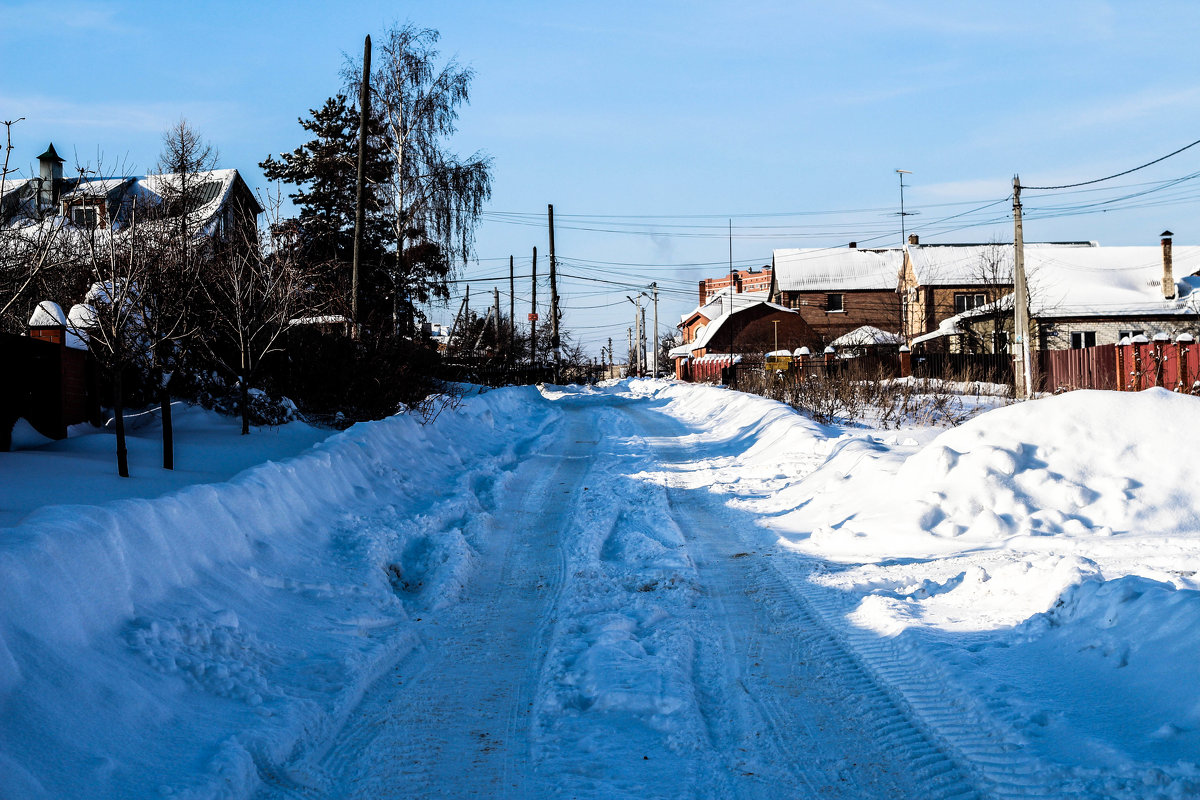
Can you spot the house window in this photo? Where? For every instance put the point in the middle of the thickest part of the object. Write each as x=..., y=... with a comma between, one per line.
x=1080, y=339
x=1130, y=334
x=85, y=216
x=965, y=301
x=833, y=302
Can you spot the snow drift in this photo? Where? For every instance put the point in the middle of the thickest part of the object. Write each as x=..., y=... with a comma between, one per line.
x=131, y=633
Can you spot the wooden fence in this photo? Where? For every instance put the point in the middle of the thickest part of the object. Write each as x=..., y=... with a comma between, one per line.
x=1082, y=368
x=46, y=383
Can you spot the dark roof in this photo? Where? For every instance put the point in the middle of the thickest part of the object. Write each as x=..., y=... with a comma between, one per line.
x=50, y=155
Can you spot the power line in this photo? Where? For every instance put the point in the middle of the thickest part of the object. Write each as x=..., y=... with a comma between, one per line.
x=1117, y=175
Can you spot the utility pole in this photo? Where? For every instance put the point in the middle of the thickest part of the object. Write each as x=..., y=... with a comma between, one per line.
x=1024, y=376
x=364, y=99
x=554, y=340
x=642, y=343
x=512, y=311
x=610, y=357
x=496, y=303
x=654, y=287
x=630, y=357
x=533, y=316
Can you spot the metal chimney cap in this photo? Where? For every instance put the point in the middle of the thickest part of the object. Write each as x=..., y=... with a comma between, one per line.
x=1164, y=234
x=50, y=155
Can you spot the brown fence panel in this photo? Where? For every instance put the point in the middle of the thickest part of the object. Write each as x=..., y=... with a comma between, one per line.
x=1081, y=368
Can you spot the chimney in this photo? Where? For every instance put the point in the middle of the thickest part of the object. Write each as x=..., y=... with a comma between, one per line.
x=703, y=292
x=914, y=239
x=853, y=245
x=1168, y=280
x=50, y=174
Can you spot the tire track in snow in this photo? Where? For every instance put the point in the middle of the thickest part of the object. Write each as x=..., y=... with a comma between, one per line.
x=451, y=719
x=951, y=733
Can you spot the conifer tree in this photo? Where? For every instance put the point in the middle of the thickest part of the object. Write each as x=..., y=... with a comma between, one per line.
x=323, y=172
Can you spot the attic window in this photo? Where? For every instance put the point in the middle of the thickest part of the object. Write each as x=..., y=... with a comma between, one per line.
x=833, y=302
x=85, y=216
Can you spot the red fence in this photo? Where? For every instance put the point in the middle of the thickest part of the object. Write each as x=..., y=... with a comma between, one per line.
x=1172, y=365
x=1130, y=367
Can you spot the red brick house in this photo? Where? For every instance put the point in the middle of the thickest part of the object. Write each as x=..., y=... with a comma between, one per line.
x=836, y=290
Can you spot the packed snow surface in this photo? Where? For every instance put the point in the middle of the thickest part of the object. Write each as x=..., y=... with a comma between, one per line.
x=645, y=589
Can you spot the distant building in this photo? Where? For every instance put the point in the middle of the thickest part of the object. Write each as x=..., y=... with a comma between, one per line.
x=744, y=281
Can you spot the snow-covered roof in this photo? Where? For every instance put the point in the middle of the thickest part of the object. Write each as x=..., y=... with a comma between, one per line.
x=707, y=333
x=1105, y=282
x=213, y=191
x=973, y=264
x=823, y=269
x=866, y=336
x=948, y=327
x=716, y=305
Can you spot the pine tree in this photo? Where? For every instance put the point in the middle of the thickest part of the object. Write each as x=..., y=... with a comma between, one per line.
x=323, y=172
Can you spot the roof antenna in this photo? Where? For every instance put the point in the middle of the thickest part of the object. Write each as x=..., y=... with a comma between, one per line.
x=903, y=213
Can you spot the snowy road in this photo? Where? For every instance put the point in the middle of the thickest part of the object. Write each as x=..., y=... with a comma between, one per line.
x=621, y=637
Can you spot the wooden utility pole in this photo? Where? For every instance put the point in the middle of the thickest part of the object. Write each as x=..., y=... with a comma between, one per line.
x=654, y=288
x=642, y=341
x=512, y=311
x=496, y=305
x=629, y=368
x=533, y=315
x=364, y=100
x=555, y=342
x=1022, y=371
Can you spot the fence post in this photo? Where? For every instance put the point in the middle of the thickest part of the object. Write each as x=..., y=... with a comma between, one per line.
x=1121, y=382
x=1160, y=344
x=905, y=361
x=1182, y=343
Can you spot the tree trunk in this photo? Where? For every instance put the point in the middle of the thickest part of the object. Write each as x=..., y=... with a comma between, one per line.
x=119, y=416
x=245, y=405
x=168, y=433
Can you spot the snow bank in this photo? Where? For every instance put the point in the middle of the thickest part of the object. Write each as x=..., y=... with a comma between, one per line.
x=131, y=633
x=1039, y=563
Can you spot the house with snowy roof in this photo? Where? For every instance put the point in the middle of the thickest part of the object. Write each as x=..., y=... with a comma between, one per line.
x=224, y=206
x=1086, y=295
x=732, y=325
x=836, y=290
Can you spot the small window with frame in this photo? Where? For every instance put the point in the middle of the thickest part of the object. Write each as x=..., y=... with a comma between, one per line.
x=1082, y=339
x=834, y=302
x=965, y=301
x=85, y=216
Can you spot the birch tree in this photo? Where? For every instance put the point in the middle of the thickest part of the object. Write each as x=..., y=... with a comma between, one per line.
x=434, y=196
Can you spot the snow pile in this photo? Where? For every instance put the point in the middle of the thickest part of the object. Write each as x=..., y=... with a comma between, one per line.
x=136, y=635
x=1042, y=558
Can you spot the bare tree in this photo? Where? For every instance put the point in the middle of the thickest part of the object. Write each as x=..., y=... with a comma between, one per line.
x=993, y=271
x=114, y=325
x=181, y=247
x=254, y=288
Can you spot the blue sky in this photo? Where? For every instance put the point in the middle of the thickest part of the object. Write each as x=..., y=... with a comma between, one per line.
x=649, y=125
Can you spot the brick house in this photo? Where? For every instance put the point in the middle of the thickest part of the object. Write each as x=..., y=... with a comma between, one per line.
x=741, y=326
x=836, y=290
